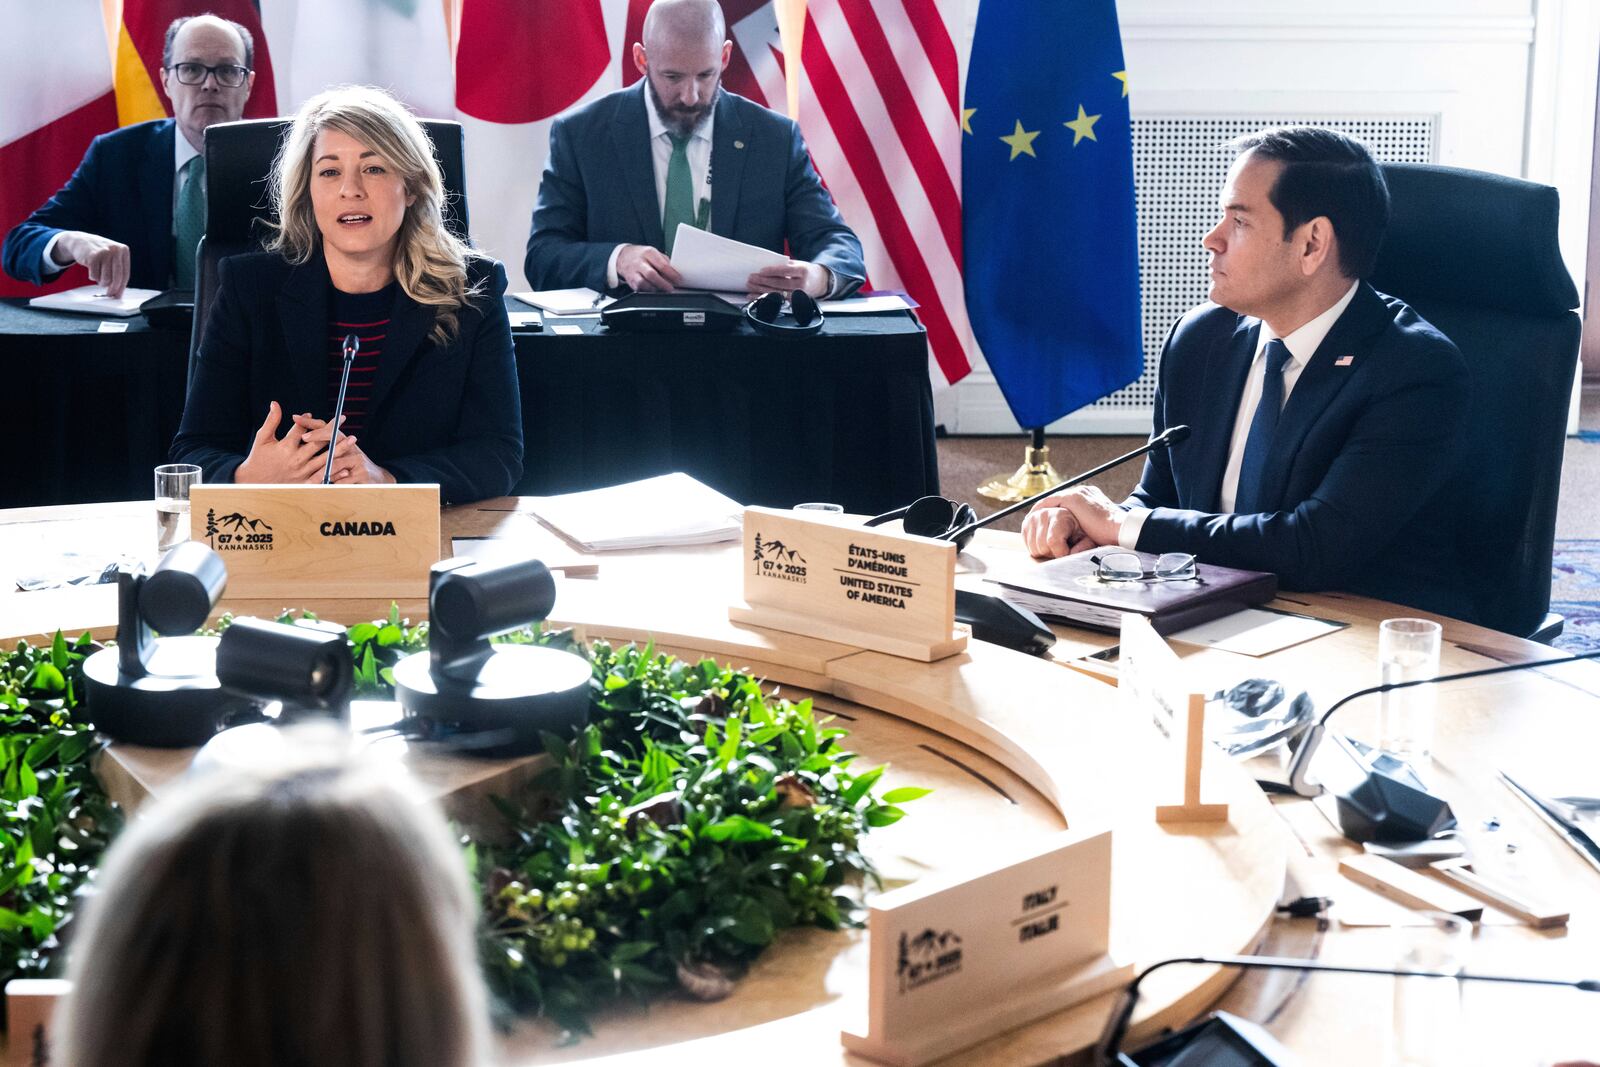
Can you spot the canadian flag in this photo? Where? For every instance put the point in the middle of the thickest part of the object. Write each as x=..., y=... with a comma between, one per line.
x=47, y=122
x=519, y=66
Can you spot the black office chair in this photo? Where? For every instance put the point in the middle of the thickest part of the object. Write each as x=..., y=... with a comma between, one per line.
x=1476, y=255
x=239, y=159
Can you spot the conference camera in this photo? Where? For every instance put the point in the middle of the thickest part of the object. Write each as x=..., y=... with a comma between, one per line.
x=158, y=687
x=484, y=698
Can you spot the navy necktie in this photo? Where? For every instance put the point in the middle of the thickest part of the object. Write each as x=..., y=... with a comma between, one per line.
x=1258, y=446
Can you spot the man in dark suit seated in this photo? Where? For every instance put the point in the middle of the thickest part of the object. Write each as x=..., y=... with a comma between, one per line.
x=624, y=171
x=134, y=210
x=1323, y=412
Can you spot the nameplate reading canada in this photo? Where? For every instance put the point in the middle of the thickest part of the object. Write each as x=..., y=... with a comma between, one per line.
x=327, y=541
x=838, y=581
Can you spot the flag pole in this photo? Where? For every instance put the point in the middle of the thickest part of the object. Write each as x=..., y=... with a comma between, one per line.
x=1033, y=477
x=791, y=31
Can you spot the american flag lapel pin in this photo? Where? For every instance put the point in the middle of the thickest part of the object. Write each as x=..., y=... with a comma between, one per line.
x=1344, y=361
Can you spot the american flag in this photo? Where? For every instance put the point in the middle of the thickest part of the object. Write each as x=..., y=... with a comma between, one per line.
x=881, y=113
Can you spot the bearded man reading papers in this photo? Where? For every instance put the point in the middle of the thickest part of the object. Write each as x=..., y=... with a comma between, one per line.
x=1324, y=413
x=624, y=171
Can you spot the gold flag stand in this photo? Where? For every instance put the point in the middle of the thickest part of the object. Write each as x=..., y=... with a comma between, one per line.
x=1034, y=476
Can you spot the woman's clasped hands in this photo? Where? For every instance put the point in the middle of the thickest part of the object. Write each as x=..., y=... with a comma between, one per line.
x=301, y=454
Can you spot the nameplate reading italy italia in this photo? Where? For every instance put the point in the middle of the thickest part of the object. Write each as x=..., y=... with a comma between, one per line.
x=289, y=542
x=835, y=580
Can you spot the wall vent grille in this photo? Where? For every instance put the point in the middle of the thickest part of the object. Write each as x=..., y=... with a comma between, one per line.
x=1179, y=163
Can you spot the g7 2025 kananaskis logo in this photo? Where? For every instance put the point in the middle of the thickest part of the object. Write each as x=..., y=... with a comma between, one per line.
x=237, y=532
x=774, y=559
x=927, y=957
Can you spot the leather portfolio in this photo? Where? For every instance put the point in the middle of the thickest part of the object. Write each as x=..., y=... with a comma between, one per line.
x=1068, y=589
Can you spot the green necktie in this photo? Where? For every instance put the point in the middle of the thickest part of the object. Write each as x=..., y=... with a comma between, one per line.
x=189, y=221
x=680, y=192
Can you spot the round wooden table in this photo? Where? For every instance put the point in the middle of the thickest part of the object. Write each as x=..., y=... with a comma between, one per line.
x=1016, y=748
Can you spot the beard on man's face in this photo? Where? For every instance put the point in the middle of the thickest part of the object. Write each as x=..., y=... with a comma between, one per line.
x=682, y=120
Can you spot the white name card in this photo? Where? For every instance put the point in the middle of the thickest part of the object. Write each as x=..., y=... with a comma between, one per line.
x=835, y=580
x=328, y=541
x=952, y=961
x=1152, y=681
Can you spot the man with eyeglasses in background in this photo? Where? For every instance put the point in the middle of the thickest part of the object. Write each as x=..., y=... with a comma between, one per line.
x=134, y=210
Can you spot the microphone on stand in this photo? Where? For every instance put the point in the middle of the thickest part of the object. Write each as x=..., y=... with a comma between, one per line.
x=1382, y=806
x=352, y=345
x=948, y=520
x=991, y=618
x=1108, y=1052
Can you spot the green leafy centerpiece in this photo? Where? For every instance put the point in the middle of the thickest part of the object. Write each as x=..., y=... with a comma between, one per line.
x=664, y=847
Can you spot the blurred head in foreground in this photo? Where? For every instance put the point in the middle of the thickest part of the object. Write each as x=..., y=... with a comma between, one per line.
x=312, y=911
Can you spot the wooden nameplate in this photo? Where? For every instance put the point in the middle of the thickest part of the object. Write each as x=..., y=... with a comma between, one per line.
x=1404, y=886
x=30, y=1005
x=952, y=961
x=890, y=592
x=287, y=542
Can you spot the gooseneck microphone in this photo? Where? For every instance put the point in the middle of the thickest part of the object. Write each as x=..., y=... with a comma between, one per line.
x=948, y=520
x=1172, y=436
x=1383, y=807
x=1302, y=785
x=1108, y=1053
x=352, y=345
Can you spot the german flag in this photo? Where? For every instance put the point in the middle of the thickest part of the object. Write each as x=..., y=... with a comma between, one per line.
x=140, y=96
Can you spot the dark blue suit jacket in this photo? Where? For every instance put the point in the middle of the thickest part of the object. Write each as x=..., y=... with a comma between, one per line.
x=123, y=191
x=1355, y=480
x=599, y=191
x=450, y=415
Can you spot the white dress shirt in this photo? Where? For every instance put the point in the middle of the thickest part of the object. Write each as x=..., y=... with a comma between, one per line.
x=1302, y=344
x=699, y=153
x=182, y=152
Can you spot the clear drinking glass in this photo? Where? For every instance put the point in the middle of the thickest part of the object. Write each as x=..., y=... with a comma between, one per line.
x=173, y=482
x=1428, y=1021
x=1408, y=650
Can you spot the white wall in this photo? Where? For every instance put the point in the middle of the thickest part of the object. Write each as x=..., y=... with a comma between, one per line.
x=1512, y=83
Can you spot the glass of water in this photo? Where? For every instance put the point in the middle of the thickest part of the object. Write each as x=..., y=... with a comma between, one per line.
x=1428, y=1027
x=1408, y=650
x=173, y=482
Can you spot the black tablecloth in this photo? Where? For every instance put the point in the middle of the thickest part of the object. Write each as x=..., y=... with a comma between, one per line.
x=87, y=415
x=844, y=417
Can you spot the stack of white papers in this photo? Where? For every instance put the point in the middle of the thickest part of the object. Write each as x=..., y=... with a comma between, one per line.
x=867, y=305
x=720, y=264
x=565, y=301
x=1257, y=631
x=92, y=300
x=668, y=510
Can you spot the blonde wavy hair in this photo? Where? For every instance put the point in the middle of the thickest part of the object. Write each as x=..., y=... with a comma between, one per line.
x=430, y=262
x=310, y=908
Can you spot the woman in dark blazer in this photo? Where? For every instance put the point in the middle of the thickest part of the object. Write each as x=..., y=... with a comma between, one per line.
x=361, y=259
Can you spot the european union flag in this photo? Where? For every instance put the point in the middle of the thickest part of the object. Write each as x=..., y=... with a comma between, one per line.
x=1052, y=259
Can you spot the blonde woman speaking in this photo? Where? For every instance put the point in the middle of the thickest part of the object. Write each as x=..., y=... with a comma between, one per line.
x=361, y=259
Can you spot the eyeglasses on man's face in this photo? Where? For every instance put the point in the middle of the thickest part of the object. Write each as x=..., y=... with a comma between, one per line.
x=228, y=75
x=1127, y=567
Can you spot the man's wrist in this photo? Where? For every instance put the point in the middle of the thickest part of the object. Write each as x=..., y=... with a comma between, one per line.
x=51, y=264
x=612, y=281
x=1129, y=526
